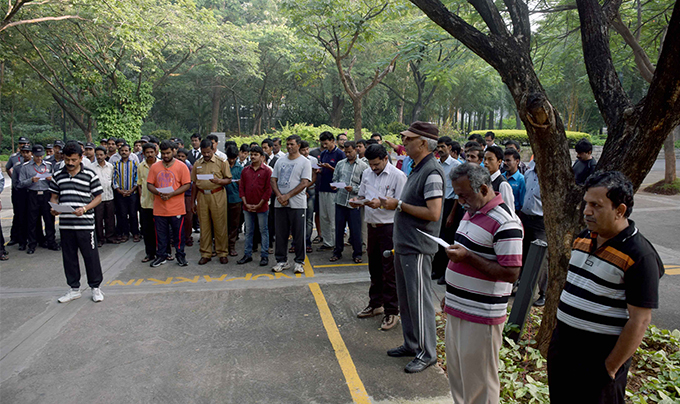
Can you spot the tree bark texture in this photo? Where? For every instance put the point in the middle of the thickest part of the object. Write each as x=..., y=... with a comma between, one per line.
x=357, y=118
x=669, y=155
x=636, y=132
x=215, y=116
x=336, y=110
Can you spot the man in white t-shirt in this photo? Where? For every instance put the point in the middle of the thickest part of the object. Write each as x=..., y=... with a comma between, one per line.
x=292, y=174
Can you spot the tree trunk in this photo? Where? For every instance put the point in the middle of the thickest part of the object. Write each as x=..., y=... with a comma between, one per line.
x=401, y=111
x=491, y=120
x=238, y=115
x=357, y=118
x=518, y=121
x=216, y=98
x=500, y=118
x=336, y=111
x=669, y=154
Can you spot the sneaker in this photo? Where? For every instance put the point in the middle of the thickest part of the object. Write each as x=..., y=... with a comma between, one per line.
x=158, y=262
x=370, y=312
x=388, y=322
x=298, y=269
x=281, y=266
x=264, y=261
x=182, y=261
x=72, y=294
x=97, y=295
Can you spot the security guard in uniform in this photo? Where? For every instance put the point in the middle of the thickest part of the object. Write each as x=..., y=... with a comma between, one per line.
x=56, y=159
x=19, y=233
x=212, y=202
x=49, y=150
x=15, y=159
x=38, y=198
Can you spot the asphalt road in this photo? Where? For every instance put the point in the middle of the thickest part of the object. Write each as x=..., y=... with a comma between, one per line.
x=227, y=333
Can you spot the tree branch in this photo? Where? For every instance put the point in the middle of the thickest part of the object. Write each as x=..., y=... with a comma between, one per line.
x=4, y=25
x=521, y=26
x=491, y=16
x=611, y=99
x=396, y=93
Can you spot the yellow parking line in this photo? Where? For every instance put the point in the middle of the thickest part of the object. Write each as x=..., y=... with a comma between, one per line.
x=339, y=265
x=354, y=383
x=309, y=270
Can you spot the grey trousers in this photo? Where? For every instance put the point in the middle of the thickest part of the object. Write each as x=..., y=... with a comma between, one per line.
x=327, y=217
x=414, y=289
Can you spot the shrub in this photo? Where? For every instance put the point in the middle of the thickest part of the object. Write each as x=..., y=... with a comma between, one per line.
x=161, y=134
x=521, y=135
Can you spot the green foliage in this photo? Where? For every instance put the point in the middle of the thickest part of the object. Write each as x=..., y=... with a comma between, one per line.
x=161, y=134
x=121, y=114
x=521, y=135
x=657, y=364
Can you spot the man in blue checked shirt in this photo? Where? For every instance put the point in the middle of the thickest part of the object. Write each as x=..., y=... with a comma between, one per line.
x=125, y=186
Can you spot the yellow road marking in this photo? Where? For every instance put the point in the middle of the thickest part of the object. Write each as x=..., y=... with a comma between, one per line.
x=354, y=383
x=672, y=270
x=309, y=270
x=339, y=265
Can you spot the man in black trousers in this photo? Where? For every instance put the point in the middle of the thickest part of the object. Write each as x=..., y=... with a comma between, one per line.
x=79, y=188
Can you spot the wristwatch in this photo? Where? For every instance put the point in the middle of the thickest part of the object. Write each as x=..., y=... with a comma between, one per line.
x=399, y=206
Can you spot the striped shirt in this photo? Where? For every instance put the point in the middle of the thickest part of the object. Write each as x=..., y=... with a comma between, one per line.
x=602, y=281
x=494, y=233
x=125, y=175
x=76, y=191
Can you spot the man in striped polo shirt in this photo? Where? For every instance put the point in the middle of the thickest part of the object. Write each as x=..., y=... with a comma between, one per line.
x=606, y=305
x=485, y=260
x=78, y=187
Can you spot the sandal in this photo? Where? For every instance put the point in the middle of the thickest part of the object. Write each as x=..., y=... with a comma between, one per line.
x=147, y=259
x=233, y=254
x=291, y=249
x=334, y=258
x=310, y=249
x=358, y=260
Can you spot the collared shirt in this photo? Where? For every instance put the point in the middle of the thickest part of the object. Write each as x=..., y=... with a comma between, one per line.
x=232, y=189
x=76, y=191
x=116, y=157
x=532, y=205
x=125, y=175
x=506, y=191
x=14, y=160
x=325, y=177
x=493, y=233
x=147, y=197
x=280, y=154
x=603, y=280
x=243, y=163
x=350, y=174
x=255, y=186
x=218, y=168
x=315, y=162
x=16, y=171
x=196, y=154
x=449, y=164
x=29, y=170
x=518, y=186
x=220, y=155
x=105, y=175
x=388, y=184
x=407, y=165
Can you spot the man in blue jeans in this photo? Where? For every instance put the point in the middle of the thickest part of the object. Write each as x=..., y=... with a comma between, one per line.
x=255, y=189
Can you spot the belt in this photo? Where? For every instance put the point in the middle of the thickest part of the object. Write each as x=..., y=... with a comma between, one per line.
x=37, y=192
x=376, y=225
x=211, y=191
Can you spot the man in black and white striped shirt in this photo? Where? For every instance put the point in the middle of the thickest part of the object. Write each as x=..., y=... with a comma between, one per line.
x=78, y=187
x=606, y=305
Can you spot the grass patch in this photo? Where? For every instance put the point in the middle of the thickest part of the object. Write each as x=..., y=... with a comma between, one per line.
x=653, y=375
x=663, y=188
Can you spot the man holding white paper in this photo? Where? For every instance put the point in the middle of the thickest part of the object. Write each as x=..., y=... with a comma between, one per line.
x=34, y=178
x=209, y=175
x=485, y=261
x=380, y=180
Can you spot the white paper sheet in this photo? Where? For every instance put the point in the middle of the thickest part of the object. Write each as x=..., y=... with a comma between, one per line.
x=338, y=184
x=42, y=176
x=315, y=166
x=360, y=201
x=62, y=208
x=165, y=190
x=204, y=176
x=436, y=239
x=234, y=180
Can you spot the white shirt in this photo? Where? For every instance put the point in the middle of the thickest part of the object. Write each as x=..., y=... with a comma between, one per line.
x=388, y=184
x=506, y=191
x=105, y=175
x=220, y=155
x=279, y=154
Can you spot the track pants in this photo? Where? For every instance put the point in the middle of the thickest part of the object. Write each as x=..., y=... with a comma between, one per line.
x=85, y=241
x=414, y=289
x=163, y=226
x=290, y=220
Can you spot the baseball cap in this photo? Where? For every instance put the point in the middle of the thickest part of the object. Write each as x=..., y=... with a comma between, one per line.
x=59, y=143
x=90, y=145
x=26, y=147
x=23, y=140
x=49, y=146
x=38, y=150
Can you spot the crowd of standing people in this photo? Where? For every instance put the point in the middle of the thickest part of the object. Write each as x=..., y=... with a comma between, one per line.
x=483, y=201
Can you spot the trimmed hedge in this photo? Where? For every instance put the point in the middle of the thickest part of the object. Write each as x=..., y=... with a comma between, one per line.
x=521, y=135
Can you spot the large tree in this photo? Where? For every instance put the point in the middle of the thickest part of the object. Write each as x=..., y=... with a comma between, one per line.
x=636, y=131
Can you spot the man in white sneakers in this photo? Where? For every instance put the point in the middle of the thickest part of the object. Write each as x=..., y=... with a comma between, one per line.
x=78, y=186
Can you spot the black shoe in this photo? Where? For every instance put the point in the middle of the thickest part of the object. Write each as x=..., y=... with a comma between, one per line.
x=181, y=261
x=417, y=365
x=441, y=281
x=246, y=258
x=255, y=249
x=325, y=248
x=540, y=302
x=400, y=351
x=158, y=262
x=43, y=244
x=54, y=247
x=264, y=261
x=22, y=247
x=12, y=242
x=30, y=251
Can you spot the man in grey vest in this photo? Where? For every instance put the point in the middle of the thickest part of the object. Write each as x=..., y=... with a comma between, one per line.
x=419, y=209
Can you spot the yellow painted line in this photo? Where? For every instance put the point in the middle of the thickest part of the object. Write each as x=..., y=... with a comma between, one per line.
x=354, y=383
x=672, y=271
x=339, y=265
x=309, y=270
